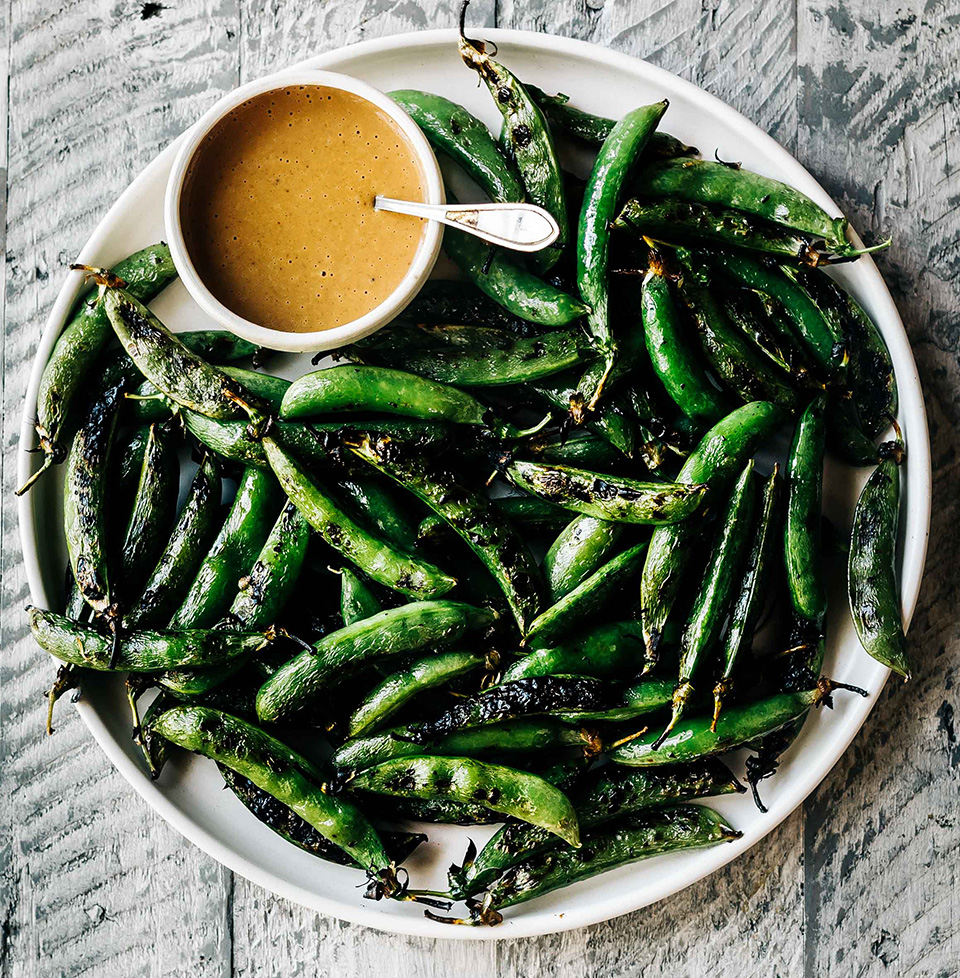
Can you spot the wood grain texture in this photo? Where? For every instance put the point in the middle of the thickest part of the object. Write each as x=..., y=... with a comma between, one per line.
x=860, y=882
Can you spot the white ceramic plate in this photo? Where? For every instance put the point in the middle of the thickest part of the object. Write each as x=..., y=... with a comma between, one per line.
x=189, y=796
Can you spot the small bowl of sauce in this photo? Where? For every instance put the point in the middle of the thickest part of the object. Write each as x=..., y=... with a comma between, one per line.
x=270, y=211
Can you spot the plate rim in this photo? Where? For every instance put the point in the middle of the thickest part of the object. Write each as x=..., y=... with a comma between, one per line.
x=532, y=924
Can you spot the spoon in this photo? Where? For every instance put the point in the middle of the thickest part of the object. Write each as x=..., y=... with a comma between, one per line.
x=522, y=227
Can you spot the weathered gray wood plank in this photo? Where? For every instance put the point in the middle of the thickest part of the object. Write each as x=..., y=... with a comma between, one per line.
x=879, y=125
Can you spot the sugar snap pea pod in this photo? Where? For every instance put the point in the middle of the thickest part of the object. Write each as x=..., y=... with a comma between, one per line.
x=674, y=361
x=465, y=139
x=582, y=546
x=154, y=510
x=720, y=455
x=383, y=562
x=443, y=301
x=530, y=511
x=290, y=826
x=705, y=182
x=516, y=738
x=228, y=439
x=189, y=541
x=237, y=544
x=747, y=314
x=141, y=651
x=752, y=589
x=357, y=599
x=382, y=506
x=526, y=137
x=464, y=779
x=586, y=598
x=410, y=628
x=609, y=793
x=278, y=770
x=801, y=539
x=398, y=689
x=80, y=344
x=152, y=745
x=617, y=156
x=126, y=462
x=489, y=535
x=871, y=569
x=845, y=438
x=636, y=700
x=580, y=447
x=605, y=652
x=712, y=603
x=607, y=497
x=639, y=836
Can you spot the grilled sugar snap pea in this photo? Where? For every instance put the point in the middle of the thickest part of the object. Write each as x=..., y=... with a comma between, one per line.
x=357, y=599
x=871, y=569
x=189, y=541
x=415, y=626
x=381, y=504
x=607, y=497
x=383, y=562
x=78, y=347
x=464, y=779
x=487, y=533
x=721, y=453
x=582, y=546
x=580, y=448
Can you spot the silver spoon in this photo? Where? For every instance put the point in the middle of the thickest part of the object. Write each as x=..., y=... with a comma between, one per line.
x=522, y=227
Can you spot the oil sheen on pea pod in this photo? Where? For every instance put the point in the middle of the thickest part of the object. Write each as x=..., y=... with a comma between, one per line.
x=580, y=548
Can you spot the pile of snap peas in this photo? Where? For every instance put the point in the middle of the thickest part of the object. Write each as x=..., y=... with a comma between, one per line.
x=522, y=556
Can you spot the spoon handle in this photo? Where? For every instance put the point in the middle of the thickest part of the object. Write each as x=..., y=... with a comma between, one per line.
x=521, y=227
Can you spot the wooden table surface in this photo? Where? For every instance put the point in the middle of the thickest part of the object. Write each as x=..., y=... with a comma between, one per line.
x=861, y=880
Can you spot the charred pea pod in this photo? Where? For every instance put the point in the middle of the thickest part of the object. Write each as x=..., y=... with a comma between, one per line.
x=608, y=793
x=582, y=546
x=587, y=597
x=712, y=603
x=381, y=505
x=845, y=438
x=716, y=184
x=290, y=826
x=239, y=541
x=607, y=497
x=636, y=700
x=529, y=511
x=722, y=452
x=464, y=779
x=526, y=138
x=749, y=599
x=675, y=363
x=617, y=156
x=154, y=509
x=398, y=689
x=142, y=651
x=383, y=562
x=444, y=301
x=151, y=744
x=604, y=652
x=78, y=347
x=278, y=770
x=415, y=626
x=871, y=569
x=465, y=139
x=471, y=515
x=189, y=541
x=357, y=599
x=657, y=442
x=639, y=836
x=507, y=701
x=747, y=313
x=580, y=447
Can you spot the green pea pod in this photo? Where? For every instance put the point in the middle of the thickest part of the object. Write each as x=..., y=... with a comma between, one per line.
x=415, y=626
x=748, y=314
x=398, y=689
x=382, y=506
x=636, y=700
x=142, y=651
x=526, y=137
x=234, y=550
x=587, y=597
x=582, y=546
x=471, y=515
x=608, y=497
x=720, y=455
x=279, y=771
x=619, y=152
x=383, y=562
x=146, y=273
x=705, y=182
x=753, y=588
x=444, y=301
x=712, y=603
x=801, y=540
x=529, y=511
x=464, y=779
x=357, y=599
x=675, y=363
x=608, y=793
x=579, y=448
x=465, y=139
x=871, y=569
x=845, y=438
x=189, y=541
